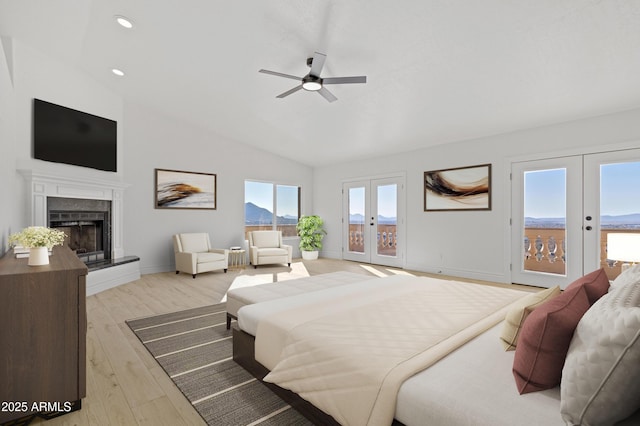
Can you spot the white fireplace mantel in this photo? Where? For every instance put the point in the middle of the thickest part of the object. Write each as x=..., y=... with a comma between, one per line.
x=43, y=184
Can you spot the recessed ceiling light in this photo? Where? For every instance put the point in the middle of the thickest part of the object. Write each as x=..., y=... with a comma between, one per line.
x=118, y=72
x=124, y=21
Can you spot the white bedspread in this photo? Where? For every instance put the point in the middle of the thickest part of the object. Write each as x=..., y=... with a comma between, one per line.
x=349, y=355
x=474, y=386
x=239, y=297
x=249, y=316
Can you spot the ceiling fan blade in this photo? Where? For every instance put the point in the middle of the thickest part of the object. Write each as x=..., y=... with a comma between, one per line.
x=345, y=80
x=290, y=91
x=327, y=95
x=279, y=74
x=317, y=63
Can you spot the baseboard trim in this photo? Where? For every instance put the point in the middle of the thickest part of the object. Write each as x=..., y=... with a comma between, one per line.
x=462, y=273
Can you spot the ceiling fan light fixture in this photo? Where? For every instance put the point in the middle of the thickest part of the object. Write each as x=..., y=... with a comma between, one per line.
x=312, y=82
x=312, y=86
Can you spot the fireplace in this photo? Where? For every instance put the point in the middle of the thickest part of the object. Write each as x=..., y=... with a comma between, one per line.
x=87, y=224
x=51, y=193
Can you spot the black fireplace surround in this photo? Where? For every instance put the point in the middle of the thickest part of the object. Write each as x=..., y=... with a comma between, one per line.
x=87, y=224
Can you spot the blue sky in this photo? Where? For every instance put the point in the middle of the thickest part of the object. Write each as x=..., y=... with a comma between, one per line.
x=387, y=196
x=545, y=191
x=620, y=184
x=387, y=200
x=356, y=201
x=261, y=194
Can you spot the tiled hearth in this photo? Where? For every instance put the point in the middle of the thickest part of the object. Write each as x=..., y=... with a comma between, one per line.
x=113, y=268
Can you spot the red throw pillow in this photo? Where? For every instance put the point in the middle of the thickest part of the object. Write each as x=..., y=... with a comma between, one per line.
x=544, y=340
x=595, y=283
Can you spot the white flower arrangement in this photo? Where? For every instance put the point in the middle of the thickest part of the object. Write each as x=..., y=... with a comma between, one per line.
x=38, y=236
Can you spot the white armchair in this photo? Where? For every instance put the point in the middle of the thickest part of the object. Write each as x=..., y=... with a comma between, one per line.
x=195, y=255
x=265, y=247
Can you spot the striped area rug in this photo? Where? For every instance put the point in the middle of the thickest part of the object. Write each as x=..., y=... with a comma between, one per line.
x=195, y=349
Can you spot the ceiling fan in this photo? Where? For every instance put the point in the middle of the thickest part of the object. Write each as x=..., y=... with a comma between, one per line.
x=313, y=82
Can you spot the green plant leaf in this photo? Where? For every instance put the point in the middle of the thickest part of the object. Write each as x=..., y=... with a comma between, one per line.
x=311, y=232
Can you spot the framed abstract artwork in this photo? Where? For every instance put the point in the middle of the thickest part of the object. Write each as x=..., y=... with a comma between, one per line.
x=185, y=190
x=462, y=188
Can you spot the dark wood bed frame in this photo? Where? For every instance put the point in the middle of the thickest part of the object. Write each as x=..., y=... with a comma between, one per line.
x=244, y=355
x=229, y=319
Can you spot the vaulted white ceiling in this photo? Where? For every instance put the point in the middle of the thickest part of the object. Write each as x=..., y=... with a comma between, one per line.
x=438, y=70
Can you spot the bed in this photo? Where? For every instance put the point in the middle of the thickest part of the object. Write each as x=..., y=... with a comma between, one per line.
x=461, y=377
x=239, y=297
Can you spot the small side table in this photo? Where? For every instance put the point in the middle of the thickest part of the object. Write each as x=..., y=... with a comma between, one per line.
x=236, y=257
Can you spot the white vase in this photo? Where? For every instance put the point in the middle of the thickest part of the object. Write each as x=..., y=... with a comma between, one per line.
x=310, y=255
x=38, y=256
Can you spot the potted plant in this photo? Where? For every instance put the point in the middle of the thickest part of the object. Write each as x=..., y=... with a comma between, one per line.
x=39, y=240
x=311, y=234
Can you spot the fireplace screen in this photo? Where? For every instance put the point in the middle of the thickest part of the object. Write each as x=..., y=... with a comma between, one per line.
x=87, y=232
x=83, y=237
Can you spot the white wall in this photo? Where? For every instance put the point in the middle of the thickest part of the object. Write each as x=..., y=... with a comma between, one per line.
x=467, y=244
x=10, y=193
x=39, y=76
x=35, y=75
x=471, y=244
x=156, y=141
x=146, y=141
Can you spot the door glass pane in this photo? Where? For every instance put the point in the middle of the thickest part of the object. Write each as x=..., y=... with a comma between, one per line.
x=356, y=219
x=387, y=208
x=545, y=208
x=619, y=214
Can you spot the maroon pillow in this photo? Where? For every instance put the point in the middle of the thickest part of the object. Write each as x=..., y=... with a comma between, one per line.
x=595, y=283
x=544, y=340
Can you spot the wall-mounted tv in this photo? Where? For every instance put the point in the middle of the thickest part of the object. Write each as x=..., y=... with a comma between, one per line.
x=64, y=135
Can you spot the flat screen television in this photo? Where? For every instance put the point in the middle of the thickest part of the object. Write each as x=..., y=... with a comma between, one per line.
x=64, y=135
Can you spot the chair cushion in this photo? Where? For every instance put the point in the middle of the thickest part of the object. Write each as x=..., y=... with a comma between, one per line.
x=545, y=338
x=601, y=376
x=194, y=243
x=262, y=252
x=266, y=238
x=210, y=257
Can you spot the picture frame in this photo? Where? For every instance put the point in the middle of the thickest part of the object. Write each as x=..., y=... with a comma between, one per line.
x=177, y=189
x=460, y=188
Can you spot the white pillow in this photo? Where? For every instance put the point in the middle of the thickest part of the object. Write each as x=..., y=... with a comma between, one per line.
x=601, y=375
x=630, y=276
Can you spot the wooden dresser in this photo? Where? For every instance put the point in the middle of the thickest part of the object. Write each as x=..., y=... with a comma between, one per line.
x=43, y=327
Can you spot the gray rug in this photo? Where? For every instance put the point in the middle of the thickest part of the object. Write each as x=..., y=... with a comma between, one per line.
x=195, y=350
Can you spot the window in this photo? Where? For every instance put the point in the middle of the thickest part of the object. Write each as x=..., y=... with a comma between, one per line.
x=270, y=206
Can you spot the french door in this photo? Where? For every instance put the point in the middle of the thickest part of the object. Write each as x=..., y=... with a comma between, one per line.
x=565, y=211
x=373, y=221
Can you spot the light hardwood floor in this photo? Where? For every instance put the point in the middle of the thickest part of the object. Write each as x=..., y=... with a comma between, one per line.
x=125, y=385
